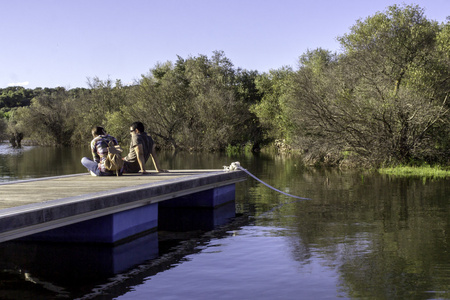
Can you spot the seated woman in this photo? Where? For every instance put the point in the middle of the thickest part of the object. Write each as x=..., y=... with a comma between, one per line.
x=99, y=148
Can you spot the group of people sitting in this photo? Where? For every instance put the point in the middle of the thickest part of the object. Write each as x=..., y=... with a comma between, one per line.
x=142, y=147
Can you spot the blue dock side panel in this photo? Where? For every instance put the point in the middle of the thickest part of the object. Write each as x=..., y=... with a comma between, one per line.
x=209, y=198
x=107, y=229
x=135, y=221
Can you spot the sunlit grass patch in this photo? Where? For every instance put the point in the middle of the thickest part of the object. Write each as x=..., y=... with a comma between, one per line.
x=422, y=171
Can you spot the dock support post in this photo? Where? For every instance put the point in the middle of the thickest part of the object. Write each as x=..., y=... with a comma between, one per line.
x=199, y=211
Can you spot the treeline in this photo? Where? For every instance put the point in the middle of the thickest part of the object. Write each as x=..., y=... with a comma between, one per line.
x=198, y=103
x=382, y=100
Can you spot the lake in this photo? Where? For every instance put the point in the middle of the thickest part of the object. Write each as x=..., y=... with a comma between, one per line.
x=361, y=236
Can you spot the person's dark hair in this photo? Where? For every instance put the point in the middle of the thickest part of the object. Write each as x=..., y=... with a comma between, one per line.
x=138, y=125
x=98, y=130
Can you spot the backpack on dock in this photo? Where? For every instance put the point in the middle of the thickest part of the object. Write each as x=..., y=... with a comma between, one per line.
x=114, y=160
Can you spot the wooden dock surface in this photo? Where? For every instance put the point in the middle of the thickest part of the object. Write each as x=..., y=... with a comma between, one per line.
x=22, y=192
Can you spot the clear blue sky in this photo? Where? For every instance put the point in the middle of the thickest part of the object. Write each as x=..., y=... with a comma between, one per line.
x=50, y=43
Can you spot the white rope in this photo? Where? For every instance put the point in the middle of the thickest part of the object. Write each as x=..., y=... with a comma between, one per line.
x=237, y=166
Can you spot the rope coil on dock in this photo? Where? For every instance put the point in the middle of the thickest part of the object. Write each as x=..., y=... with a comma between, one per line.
x=237, y=166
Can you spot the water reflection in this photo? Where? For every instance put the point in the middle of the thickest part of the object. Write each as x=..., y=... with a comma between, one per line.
x=194, y=218
x=64, y=268
x=32, y=162
x=386, y=237
x=88, y=271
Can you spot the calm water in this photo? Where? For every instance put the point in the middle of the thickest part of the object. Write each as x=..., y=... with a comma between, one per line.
x=362, y=236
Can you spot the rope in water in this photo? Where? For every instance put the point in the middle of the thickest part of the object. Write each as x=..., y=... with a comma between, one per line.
x=237, y=166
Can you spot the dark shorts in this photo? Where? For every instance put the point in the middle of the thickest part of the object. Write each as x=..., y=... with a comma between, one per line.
x=131, y=167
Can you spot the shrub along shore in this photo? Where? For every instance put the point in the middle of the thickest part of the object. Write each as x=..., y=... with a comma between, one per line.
x=421, y=171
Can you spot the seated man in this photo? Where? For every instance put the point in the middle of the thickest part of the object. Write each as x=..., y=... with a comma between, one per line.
x=141, y=147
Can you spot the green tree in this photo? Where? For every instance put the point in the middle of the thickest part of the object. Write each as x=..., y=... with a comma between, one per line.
x=272, y=110
x=394, y=56
x=15, y=96
x=373, y=101
x=3, y=126
x=316, y=89
x=248, y=94
x=193, y=104
x=96, y=106
x=162, y=100
x=49, y=120
x=216, y=111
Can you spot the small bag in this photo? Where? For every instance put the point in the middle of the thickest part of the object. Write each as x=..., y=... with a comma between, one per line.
x=114, y=160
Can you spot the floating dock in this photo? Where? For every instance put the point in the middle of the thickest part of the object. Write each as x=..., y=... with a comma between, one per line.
x=110, y=209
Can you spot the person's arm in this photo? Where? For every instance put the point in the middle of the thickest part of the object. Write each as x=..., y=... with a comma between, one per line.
x=140, y=158
x=155, y=161
x=95, y=156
